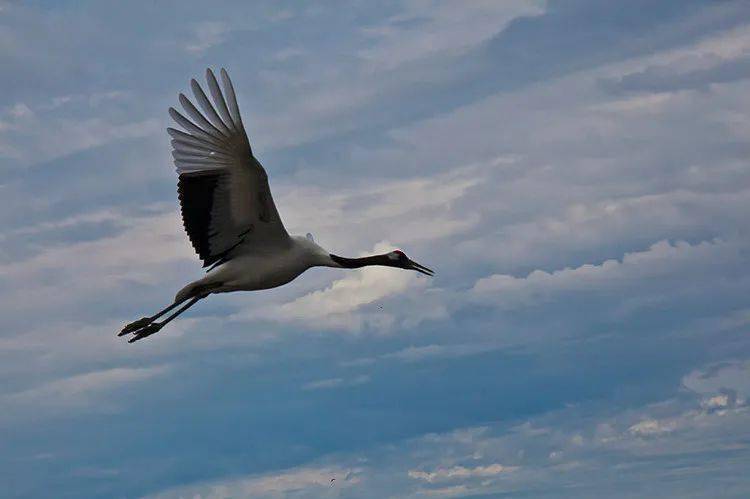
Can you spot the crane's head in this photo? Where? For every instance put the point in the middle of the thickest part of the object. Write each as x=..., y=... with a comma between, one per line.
x=398, y=258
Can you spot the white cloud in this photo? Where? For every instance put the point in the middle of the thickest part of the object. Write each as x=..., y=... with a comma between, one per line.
x=67, y=222
x=426, y=352
x=416, y=354
x=581, y=226
x=587, y=177
x=440, y=27
x=452, y=491
x=701, y=54
x=575, y=442
x=651, y=427
x=34, y=136
x=138, y=253
x=79, y=100
x=662, y=259
x=650, y=104
x=733, y=376
x=342, y=305
x=568, y=444
x=461, y=472
x=716, y=402
x=604, y=446
x=329, y=383
x=207, y=35
x=20, y=111
x=735, y=319
x=312, y=481
x=325, y=94
x=405, y=211
x=82, y=391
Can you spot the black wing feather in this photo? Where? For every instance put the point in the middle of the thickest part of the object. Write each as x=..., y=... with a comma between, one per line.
x=195, y=191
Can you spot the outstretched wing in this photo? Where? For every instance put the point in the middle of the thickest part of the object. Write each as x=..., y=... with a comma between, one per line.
x=224, y=194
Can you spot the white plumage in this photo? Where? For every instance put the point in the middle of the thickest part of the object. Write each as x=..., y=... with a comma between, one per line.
x=228, y=211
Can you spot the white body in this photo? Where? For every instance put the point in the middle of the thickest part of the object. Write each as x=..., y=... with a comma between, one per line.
x=262, y=267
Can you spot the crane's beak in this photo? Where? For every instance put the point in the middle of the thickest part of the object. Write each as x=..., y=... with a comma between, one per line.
x=412, y=265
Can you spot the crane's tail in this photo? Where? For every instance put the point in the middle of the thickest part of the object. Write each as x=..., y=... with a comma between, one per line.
x=196, y=288
x=185, y=293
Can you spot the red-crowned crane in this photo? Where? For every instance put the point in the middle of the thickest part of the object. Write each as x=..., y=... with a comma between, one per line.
x=229, y=214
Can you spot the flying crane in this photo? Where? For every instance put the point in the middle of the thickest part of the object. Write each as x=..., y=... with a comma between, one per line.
x=229, y=214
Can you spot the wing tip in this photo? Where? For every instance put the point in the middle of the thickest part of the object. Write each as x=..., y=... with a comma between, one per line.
x=179, y=118
x=184, y=101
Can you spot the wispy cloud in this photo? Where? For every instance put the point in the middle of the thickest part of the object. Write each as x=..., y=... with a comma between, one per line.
x=207, y=35
x=305, y=480
x=428, y=28
x=461, y=472
x=87, y=391
x=45, y=136
x=324, y=384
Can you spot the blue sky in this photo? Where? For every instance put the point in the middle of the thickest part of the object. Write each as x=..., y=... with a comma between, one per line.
x=576, y=172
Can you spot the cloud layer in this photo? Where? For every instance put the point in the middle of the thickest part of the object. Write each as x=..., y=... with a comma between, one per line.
x=576, y=173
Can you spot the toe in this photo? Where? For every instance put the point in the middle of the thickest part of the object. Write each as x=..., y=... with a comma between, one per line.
x=145, y=332
x=135, y=326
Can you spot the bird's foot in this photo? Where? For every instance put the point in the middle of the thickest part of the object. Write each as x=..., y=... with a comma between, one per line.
x=146, y=331
x=135, y=326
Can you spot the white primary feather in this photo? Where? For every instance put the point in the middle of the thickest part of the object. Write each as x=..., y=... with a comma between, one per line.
x=224, y=193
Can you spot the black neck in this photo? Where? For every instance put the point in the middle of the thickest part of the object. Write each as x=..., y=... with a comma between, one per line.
x=355, y=263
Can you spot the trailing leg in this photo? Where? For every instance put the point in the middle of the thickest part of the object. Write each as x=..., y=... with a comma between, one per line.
x=154, y=327
x=191, y=293
x=145, y=321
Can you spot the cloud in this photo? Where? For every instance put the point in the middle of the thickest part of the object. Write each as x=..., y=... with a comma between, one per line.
x=720, y=58
x=409, y=210
x=670, y=79
x=426, y=353
x=460, y=472
x=207, y=35
x=342, y=304
x=660, y=441
x=302, y=480
x=650, y=427
x=46, y=136
x=110, y=262
x=324, y=384
x=416, y=354
x=427, y=28
x=732, y=376
x=718, y=402
x=662, y=259
x=87, y=391
x=669, y=438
